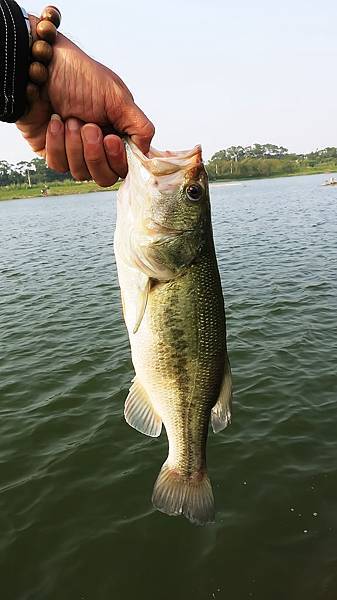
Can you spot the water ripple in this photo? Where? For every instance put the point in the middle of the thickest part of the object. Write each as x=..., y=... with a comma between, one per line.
x=76, y=520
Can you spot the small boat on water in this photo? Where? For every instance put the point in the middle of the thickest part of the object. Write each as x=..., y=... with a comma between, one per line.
x=331, y=181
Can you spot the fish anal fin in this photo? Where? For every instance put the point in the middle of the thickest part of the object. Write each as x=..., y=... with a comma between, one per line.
x=221, y=412
x=139, y=412
x=176, y=494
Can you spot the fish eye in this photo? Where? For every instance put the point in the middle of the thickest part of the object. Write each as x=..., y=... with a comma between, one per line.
x=194, y=192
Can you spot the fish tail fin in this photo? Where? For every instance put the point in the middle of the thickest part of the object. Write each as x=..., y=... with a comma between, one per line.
x=176, y=494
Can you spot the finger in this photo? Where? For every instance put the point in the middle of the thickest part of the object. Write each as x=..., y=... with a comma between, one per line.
x=74, y=150
x=115, y=153
x=144, y=132
x=136, y=124
x=55, y=145
x=95, y=156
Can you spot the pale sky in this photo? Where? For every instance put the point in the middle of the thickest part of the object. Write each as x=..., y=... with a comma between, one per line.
x=218, y=73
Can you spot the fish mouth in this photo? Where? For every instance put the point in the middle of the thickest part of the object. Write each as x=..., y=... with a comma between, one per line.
x=159, y=163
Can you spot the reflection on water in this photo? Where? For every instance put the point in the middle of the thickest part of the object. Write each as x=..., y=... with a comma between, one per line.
x=75, y=481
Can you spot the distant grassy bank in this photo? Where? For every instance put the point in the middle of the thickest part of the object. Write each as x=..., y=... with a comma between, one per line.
x=62, y=188
x=307, y=171
x=267, y=160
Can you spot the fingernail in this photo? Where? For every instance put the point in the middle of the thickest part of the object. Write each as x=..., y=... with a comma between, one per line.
x=113, y=146
x=55, y=124
x=73, y=125
x=91, y=134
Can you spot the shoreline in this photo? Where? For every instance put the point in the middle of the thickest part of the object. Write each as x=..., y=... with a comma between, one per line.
x=68, y=188
x=299, y=174
x=71, y=188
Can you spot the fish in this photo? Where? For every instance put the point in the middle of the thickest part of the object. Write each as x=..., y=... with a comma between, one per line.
x=174, y=312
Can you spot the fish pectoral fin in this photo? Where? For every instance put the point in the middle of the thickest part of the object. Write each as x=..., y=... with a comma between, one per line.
x=221, y=412
x=139, y=412
x=141, y=301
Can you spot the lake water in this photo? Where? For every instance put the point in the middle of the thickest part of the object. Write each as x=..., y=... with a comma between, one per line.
x=76, y=522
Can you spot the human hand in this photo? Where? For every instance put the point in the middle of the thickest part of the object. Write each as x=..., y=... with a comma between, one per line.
x=87, y=96
x=84, y=151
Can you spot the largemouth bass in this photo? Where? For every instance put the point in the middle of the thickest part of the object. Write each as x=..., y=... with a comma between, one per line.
x=174, y=312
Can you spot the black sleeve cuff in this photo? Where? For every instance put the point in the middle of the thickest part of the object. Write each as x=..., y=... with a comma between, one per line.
x=14, y=61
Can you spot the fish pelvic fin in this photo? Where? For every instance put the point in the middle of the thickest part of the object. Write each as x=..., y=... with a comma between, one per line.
x=221, y=412
x=176, y=494
x=139, y=412
x=141, y=302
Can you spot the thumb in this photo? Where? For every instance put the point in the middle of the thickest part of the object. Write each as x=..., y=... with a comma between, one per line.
x=135, y=123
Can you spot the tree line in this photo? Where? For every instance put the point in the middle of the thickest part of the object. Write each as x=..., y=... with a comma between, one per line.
x=235, y=162
x=265, y=160
x=29, y=173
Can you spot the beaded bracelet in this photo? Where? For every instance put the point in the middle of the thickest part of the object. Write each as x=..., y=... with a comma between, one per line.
x=42, y=51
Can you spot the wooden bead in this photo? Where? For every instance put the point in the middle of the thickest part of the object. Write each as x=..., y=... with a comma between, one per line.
x=51, y=13
x=32, y=93
x=38, y=73
x=42, y=51
x=47, y=31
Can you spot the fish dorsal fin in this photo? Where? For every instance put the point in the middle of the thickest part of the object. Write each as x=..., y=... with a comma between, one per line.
x=143, y=289
x=139, y=412
x=221, y=412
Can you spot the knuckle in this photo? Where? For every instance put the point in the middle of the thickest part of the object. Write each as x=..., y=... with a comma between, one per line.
x=152, y=130
x=148, y=130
